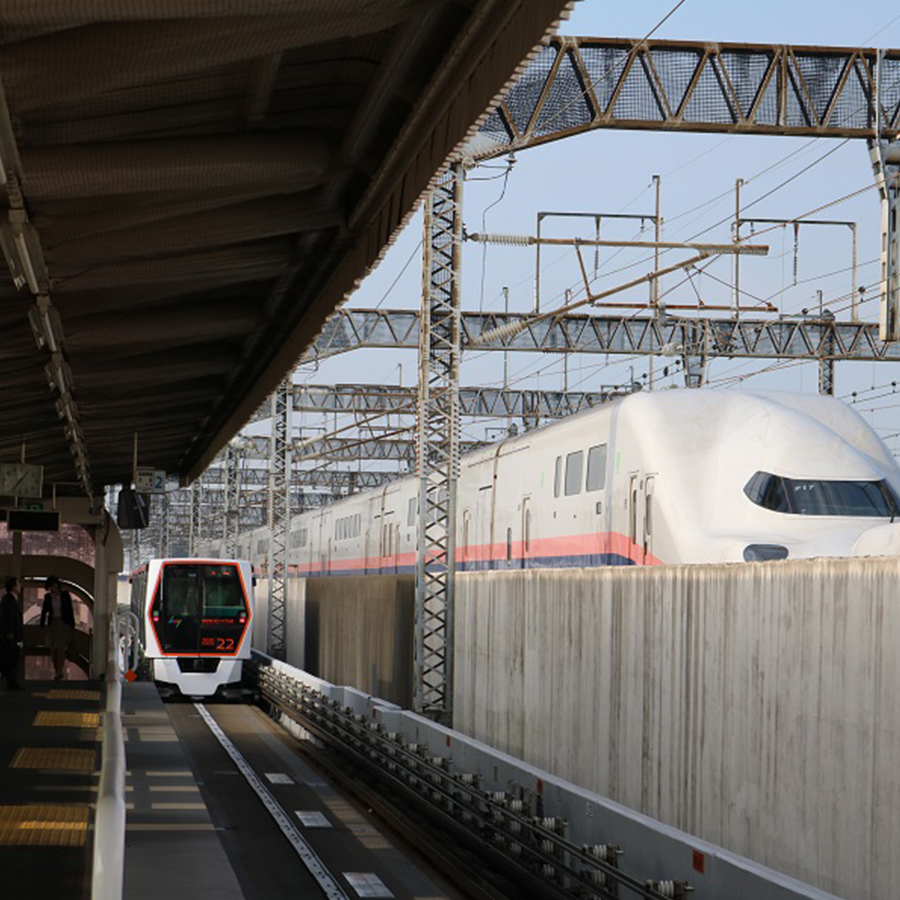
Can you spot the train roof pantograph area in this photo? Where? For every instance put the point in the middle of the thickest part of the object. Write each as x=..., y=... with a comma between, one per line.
x=188, y=189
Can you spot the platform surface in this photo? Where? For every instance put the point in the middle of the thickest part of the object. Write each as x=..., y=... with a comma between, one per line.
x=50, y=754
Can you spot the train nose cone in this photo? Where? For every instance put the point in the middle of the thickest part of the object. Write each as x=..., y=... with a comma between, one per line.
x=882, y=540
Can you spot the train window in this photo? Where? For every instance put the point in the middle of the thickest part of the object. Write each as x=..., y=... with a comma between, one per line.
x=557, y=477
x=574, y=469
x=808, y=497
x=411, y=512
x=596, y=468
x=204, y=603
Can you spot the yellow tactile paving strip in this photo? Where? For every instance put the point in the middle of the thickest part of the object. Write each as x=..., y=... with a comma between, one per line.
x=58, y=694
x=67, y=719
x=47, y=826
x=54, y=759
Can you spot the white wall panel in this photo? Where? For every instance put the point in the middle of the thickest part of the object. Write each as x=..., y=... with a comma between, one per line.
x=756, y=706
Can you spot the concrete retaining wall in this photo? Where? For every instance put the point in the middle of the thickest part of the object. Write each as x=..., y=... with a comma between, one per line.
x=360, y=633
x=355, y=631
x=295, y=619
x=757, y=707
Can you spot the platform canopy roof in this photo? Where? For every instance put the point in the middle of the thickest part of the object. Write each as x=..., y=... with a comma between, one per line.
x=189, y=187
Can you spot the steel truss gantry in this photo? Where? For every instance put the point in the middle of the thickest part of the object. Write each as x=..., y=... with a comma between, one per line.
x=473, y=401
x=761, y=338
x=379, y=449
x=333, y=479
x=438, y=446
x=577, y=84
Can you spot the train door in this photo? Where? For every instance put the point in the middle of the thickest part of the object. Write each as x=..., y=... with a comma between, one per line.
x=526, y=532
x=321, y=545
x=632, y=509
x=484, y=508
x=649, y=484
x=390, y=535
x=464, y=553
x=640, y=516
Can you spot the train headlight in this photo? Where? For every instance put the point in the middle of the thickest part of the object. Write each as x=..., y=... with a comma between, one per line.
x=763, y=552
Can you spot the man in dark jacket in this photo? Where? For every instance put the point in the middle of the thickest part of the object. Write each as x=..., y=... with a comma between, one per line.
x=10, y=634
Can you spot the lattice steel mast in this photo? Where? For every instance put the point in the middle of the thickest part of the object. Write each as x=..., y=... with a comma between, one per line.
x=232, y=512
x=437, y=457
x=279, y=512
x=196, y=520
x=886, y=166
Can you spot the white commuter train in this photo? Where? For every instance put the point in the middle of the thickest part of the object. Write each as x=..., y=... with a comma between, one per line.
x=195, y=623
x=677, y=476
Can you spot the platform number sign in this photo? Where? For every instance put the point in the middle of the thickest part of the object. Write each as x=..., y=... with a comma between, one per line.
x=150, y=481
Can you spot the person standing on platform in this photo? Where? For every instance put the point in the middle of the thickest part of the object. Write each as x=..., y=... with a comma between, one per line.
x=10, y=634
x=58, y=613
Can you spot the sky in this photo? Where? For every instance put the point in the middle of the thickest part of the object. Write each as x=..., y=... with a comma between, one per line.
x=612, y=172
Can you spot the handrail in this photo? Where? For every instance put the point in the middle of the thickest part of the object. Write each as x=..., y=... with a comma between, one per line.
x=109, y=823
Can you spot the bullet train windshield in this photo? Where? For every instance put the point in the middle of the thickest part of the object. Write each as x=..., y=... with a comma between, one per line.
x=806, y=497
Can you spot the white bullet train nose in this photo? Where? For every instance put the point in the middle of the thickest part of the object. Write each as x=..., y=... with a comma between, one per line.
x=882, y=540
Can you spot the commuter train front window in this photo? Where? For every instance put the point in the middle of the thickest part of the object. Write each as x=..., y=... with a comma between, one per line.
x=596, y=468
x=818, y=497
x=574, y=468
x=199, y=608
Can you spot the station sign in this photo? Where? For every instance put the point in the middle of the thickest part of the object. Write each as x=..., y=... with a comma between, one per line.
x=149, y=481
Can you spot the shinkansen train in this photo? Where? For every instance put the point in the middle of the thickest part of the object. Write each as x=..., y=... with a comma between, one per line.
x=677, y=476
x=195, y=617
